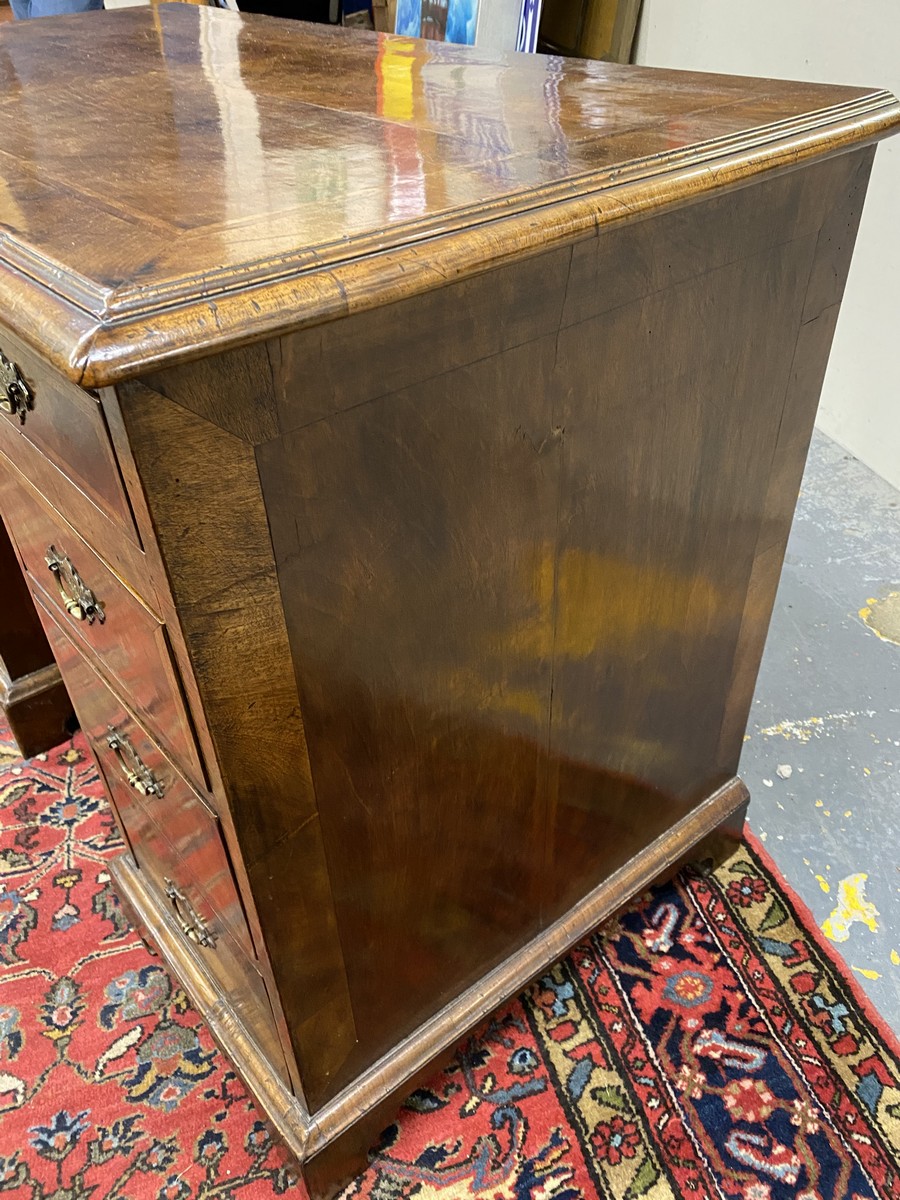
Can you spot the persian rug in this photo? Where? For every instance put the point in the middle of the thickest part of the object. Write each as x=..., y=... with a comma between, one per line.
x=704, y=1044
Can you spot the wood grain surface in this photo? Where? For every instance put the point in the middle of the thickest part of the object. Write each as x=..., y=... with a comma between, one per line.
x=290, y=174
x=440, y=425
x=505, y=565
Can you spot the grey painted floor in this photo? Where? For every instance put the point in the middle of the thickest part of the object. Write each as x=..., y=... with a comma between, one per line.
x=822, y=757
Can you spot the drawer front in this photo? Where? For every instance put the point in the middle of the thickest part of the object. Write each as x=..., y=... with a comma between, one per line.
x=239, y=980
x=140, y=777
x=21, y=465
x=66, y=424
x=209, y=914
x=106, y=618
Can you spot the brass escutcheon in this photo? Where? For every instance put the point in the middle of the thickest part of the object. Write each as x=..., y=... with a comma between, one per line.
x=15, y=394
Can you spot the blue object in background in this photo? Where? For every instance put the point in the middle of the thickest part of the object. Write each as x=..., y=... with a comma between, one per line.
x=529, y=23
x=23, y=9
x=462, y=16
x=350, y=7
x=409, y=18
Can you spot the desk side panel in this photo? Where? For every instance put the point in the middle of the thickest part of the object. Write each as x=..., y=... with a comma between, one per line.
x=515, y=572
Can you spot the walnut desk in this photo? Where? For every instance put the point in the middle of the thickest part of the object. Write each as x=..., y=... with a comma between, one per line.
x=400, y=446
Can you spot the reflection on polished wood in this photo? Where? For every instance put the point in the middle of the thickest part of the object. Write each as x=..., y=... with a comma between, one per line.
x=275, y=162
x=428, y=427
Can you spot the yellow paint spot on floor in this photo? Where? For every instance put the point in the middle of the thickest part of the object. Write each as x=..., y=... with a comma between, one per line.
x=823, y=883
x=867, y=973
x=801, y=730
x=851, y=906
x=827, y=812
x=866, y=771
x=895, y=958
x=810, y=727
x=849, y=812
x=883, y=617
x=820, y=804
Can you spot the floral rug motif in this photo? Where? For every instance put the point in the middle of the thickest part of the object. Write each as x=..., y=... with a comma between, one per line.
x=704, y=1044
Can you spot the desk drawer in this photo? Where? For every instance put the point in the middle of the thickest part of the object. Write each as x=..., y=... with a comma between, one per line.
x=178, y=892
x=144, y=784
x=187, y=866
x=108, y=620
x=66, y=424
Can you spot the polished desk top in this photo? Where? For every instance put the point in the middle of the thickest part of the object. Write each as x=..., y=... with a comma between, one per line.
x=179, y=178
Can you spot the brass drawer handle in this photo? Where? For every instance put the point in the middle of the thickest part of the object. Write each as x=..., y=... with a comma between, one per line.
x=79, y=600
x=191, y=923
x=137, y=774
x=15, y=394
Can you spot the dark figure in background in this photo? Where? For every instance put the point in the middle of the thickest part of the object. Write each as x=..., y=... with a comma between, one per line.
x=322, y=12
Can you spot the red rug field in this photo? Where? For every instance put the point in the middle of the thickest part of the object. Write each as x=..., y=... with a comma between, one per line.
x=705, y=1044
